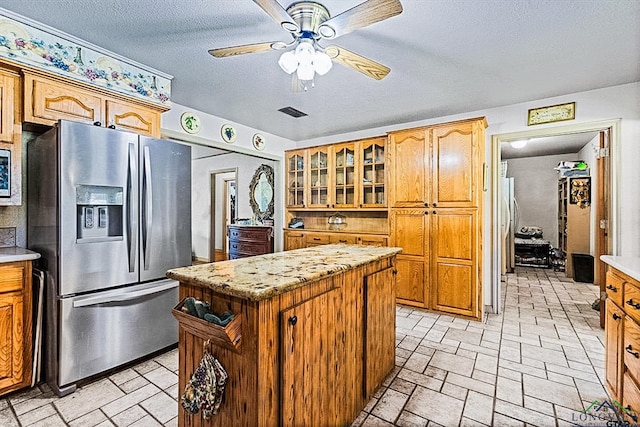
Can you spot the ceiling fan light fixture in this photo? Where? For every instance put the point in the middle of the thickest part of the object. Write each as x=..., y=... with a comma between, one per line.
x=288, y=62
x=321, y=63
x=305, y=71
x=292, y=27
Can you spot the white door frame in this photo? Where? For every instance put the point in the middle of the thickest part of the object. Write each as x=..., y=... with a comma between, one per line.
x=497, y=139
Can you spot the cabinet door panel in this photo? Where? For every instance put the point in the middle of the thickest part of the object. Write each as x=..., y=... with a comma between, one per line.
x=454, y=262
x=372, y=160
x=293, y=240
x=613, y=328
x=409, y=230
x=380, y=328
x=344, y=176
x=409, y=168
x=454, y=166
x=47, y=101
x=296, y=163
x=132, y=117
x=7, y=89
x=308, y=330
x=11, y=340
x=411, y=279
x=318, y=176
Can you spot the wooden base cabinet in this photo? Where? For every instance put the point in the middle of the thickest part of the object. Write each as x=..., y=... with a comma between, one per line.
x=622, y=341
x=296, y=239
x=15, y=326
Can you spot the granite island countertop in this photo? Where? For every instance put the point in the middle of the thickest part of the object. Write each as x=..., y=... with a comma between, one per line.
x=260, y=277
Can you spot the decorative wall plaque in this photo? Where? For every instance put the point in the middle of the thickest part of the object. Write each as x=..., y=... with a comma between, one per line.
x=553, y=113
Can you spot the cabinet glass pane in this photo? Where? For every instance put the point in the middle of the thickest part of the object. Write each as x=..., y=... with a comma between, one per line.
x=373, y=191
x=295, y=180
x=345, y=176
x=319, y=174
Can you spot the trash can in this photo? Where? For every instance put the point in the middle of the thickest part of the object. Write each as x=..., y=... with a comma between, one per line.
x=582, y=268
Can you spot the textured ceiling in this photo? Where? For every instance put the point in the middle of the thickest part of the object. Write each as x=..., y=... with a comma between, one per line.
x=446, y=57
x=547, y=146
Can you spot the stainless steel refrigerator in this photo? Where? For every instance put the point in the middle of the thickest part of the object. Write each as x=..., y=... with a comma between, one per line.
x=110, y=213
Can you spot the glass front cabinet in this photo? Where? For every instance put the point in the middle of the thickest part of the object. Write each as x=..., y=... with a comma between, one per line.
x=372, y=161
x=296, y=163
x=319, y=177
x=344, y=176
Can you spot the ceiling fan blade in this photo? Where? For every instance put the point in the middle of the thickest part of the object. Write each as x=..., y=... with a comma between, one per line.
x=241, y=50
x=278, y=14
x=362, y=15
x=357, y=62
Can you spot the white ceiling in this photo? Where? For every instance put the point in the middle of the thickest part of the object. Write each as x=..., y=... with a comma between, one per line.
x=446, y=56
x=548, y=146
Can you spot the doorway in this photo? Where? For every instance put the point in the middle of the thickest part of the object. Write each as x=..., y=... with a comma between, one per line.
x=222, y=211
x=604, y=196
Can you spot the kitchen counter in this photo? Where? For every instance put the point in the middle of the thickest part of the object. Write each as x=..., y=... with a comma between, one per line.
x=14, y=253
x=627, y=265
x=258, y=278
x=312, y=335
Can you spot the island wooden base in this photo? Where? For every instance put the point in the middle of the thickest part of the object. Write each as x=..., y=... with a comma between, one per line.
x=312, y=356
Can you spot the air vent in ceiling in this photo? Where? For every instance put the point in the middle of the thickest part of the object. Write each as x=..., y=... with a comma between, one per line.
x=292, y=112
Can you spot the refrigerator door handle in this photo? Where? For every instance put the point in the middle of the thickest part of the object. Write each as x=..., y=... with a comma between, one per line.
x=148, y=208
x=125, y=296
x=132, y=221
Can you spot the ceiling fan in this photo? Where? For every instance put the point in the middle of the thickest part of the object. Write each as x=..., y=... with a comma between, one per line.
x=309, y=22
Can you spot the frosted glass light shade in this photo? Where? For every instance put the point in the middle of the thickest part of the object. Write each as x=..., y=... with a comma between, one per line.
x=288, y=62
x=305, y=71
x=305, y=52
x=321, y=63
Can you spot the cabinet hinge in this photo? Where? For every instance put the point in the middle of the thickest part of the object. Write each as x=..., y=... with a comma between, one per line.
x=602, y=152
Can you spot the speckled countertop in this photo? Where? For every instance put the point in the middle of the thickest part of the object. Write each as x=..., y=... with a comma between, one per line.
x=261, y=277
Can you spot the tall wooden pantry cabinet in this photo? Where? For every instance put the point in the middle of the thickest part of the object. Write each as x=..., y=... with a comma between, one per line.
x=435, y=209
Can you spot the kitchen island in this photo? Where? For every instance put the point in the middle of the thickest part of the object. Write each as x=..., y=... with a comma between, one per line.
x=313, y=333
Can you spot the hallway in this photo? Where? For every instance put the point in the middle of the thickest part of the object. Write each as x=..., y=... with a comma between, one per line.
x=537, y=363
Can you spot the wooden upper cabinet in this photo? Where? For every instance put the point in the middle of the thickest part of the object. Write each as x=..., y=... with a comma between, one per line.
x=318, y=177
x=373, y=181
x=455, y=166
x=344, y=176
x=47, y=100
x=409, y=168
x=8, y=83
x=132, y=117
x=296, y=163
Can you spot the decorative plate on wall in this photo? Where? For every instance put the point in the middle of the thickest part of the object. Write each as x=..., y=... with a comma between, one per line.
x=228, y=133
x=258, y=142
x=190, y=122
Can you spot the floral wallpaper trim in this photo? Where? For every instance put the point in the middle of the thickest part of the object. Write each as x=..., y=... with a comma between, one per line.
x=27, y=44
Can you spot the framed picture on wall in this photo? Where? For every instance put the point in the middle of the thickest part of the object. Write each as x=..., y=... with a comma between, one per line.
x=580, y=191
x=5, y=173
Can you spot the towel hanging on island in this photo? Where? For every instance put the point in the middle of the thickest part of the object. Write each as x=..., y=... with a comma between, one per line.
x=205, y=389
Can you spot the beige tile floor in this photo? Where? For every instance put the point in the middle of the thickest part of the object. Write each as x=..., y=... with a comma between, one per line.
x=535, y=364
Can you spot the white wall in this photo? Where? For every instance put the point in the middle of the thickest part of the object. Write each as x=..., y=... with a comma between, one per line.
x=535, y=189
x=201, y=170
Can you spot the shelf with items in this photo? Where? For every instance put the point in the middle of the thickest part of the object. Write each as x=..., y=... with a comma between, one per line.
x=319, y=177
x=373, y=192
x=344, y=176
x=295, y=161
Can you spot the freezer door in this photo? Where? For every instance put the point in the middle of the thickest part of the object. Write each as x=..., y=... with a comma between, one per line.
x=165, y=207
x=104, y=330
x=98, y=207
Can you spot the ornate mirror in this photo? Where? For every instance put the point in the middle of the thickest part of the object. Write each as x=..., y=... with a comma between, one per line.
x=261, y=193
